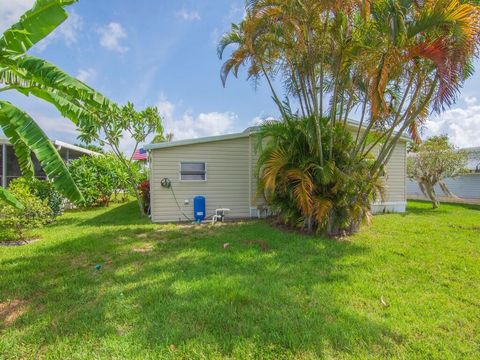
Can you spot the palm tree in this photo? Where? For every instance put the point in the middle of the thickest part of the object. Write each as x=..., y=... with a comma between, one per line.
x=334, y=198
x=396, y=61
x=392, y=62
x=30, y=75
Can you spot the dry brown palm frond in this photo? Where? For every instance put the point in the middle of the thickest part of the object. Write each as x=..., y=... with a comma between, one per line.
x=274, y=166
x=322, y=209
x=302, y=189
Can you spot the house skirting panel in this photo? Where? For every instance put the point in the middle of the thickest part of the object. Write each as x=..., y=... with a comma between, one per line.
x=389, y=207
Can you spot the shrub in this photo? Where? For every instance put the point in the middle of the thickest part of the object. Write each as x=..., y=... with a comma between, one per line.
x=144, y=189
x=15, y=222
x=94, y=177
x=44, y=190
x=101, y=178
x=334, y=198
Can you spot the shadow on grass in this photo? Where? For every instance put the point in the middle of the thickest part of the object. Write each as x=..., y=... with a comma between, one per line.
x=126, y=214
x=421, y=207
x=187, y=289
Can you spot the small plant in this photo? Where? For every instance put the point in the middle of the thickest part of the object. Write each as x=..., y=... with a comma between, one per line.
x=44, y=190
x=15, y=222
x=144, y=189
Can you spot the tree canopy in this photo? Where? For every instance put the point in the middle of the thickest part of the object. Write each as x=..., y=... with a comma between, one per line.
x=389, y=62
x=431, y=162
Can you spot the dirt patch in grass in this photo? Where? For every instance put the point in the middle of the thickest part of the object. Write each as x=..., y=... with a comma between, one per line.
x=142, y=250
x=81, y=261
x=472, y=228
x=19, y=242
x=11, y=311
x=280, y=225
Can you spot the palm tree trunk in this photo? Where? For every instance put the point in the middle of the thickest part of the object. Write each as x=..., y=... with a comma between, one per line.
x=364, y=108
x=385, y=156
x=274, y=93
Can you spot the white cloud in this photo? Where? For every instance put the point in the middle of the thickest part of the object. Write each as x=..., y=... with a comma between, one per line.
x=11, y=10
x=111, y=36
x=461, y=124
x=86, y=75
x=470, y=100
x=190, y=126
x=188, y=15
x=236, y=13
x=259, y=120
x=215, y=36
x=165, y=108
x=57, y=128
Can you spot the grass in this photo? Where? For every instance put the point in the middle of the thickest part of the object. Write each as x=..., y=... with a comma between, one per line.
x=406, y=287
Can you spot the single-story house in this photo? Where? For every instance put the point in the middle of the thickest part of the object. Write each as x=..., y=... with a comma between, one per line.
x=222, y=169
x=9, y=168
x=466, y=186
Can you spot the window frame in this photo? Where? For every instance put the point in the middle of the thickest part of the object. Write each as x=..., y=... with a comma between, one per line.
x=192, y=162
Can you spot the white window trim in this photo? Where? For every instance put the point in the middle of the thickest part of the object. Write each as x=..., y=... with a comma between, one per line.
x=192, y=162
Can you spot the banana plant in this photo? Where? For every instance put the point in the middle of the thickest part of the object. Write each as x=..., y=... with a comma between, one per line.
x=32, y=76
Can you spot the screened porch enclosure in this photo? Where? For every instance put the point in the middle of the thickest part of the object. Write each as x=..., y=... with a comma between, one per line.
x=10, y=170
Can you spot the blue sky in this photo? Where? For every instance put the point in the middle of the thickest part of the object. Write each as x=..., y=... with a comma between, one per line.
x=163, y=53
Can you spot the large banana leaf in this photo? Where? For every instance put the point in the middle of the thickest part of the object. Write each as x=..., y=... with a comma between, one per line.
x=67, y=105
x=11, y=77
x=40, y=73
x=35, y=139
x=22, y=152
x=10, y=199
x=34, y=25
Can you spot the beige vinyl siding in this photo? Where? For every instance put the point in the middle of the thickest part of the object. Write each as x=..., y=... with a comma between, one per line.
x=231, y=181
x=255, y=200
x=395, y=181
x=227, y=184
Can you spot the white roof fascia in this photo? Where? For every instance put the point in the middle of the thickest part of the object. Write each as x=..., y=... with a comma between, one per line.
x=195, y=141
x=82, y=150
x=61, y=144
x=208, y=139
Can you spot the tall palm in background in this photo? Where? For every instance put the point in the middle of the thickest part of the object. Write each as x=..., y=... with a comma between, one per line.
x=390, y=62
x=30, y=75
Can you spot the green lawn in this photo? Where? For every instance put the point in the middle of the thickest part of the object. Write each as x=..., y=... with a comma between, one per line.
x=406, y=287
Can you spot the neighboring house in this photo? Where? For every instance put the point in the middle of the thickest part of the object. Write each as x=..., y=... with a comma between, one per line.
x=466, y=186
x=222, y=169
x=10, y=170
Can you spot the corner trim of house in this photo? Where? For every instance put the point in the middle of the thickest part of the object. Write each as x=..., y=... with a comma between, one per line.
x=389, y=207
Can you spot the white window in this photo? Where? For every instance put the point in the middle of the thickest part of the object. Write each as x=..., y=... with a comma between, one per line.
x=193, y=171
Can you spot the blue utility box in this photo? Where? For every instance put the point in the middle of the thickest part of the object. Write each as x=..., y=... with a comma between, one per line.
x=199, y=208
